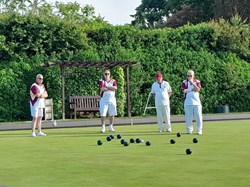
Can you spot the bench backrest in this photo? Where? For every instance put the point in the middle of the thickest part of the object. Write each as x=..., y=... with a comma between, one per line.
x=84, y=103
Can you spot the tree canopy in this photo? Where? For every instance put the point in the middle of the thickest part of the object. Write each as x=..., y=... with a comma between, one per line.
x=173, y=13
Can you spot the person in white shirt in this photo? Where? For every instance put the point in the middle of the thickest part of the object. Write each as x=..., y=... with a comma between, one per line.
x=192, y=105
x=162, y=92
x=108, y=87
x=38, y=94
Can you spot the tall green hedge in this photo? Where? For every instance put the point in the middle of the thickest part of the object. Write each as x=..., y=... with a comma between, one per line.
x=221, y=65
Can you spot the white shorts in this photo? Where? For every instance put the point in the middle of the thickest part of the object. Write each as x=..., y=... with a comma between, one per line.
x=108, y=107
x=36, y=112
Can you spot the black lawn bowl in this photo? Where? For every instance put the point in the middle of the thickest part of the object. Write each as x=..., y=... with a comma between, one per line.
x=148, y=143
x=195, y=140
x=132, y=140
x=99, y=142
x=126, y=143
x=138, y=140
x=122, y=141
x=109, y=138
x=188, y=151
x=118, y=136
x=172, y=141
x=178, y=134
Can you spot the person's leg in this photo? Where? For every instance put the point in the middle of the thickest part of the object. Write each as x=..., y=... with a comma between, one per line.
x=189, y=118
x=34, y=114
x=111, y=123
x=33, y=126
x=39, y=123
x=159, y=114
x=103, y=113
x=166, y=116
x=112, y=113
x=103, y=123
x=198, y=118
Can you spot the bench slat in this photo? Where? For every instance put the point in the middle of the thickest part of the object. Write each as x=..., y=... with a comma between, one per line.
x=84, y=104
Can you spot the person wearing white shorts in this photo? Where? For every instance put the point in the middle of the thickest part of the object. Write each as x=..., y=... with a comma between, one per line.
x=108, y=87
x=38, y=94
x=192, y=105
x=162, y=92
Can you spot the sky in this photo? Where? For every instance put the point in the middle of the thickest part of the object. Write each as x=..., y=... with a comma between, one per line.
x=116, y=12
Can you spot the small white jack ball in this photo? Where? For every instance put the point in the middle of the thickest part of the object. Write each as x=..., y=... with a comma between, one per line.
x=54, y=123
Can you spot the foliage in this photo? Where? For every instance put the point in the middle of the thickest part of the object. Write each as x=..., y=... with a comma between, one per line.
x=13, y=91
x=175, y=13
x=232, y=35
x=218, y=52
x=228, y=8
x=120, y=93
x=31, y=35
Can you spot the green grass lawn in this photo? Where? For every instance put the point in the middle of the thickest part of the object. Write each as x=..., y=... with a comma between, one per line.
x=71, y=157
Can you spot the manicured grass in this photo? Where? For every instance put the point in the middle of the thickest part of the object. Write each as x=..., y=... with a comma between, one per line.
x=71, y=157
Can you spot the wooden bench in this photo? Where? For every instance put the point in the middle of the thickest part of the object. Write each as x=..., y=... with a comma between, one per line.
x=84, y=104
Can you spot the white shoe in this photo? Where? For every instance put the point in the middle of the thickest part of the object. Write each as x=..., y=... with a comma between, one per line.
x=111, y=129
x=33, y=134
x=200, y=132
x=41, y=134
x=103, y=129
x=169, y=130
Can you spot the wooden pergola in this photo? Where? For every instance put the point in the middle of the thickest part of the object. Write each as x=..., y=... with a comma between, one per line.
x=88, y=64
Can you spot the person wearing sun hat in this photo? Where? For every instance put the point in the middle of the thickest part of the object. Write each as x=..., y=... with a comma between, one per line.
x=162, y=91
x=192, y=104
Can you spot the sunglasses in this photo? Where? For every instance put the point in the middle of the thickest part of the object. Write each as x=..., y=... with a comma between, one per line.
x=106, y=74
x=40, y=78
x=189, y=75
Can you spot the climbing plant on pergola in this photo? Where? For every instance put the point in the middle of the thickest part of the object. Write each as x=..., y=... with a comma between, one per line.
x=87, y=64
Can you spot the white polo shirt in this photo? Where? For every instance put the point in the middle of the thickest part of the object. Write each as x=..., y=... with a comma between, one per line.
x=161, y=92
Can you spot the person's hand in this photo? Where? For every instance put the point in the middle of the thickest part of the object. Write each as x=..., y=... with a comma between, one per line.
x=103, y=89
x=190, y=79
x=186, y=90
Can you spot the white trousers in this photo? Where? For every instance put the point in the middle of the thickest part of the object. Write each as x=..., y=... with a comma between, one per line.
x=163, y=115
x=195, y=110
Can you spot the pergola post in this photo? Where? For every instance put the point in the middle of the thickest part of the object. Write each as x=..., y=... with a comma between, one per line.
x=63, y=91
x=128, y=92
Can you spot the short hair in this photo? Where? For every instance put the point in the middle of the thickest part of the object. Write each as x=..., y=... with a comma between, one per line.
x=190, y=72
x=39, y=76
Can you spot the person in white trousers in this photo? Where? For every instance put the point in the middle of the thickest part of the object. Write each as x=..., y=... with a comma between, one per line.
x=162, y=92
x=192, y=105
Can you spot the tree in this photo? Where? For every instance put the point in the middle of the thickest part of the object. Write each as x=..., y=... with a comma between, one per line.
x=22, y=6
x=152, y=13
x=229, y=8
x=186, y=15
x=72, y=12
